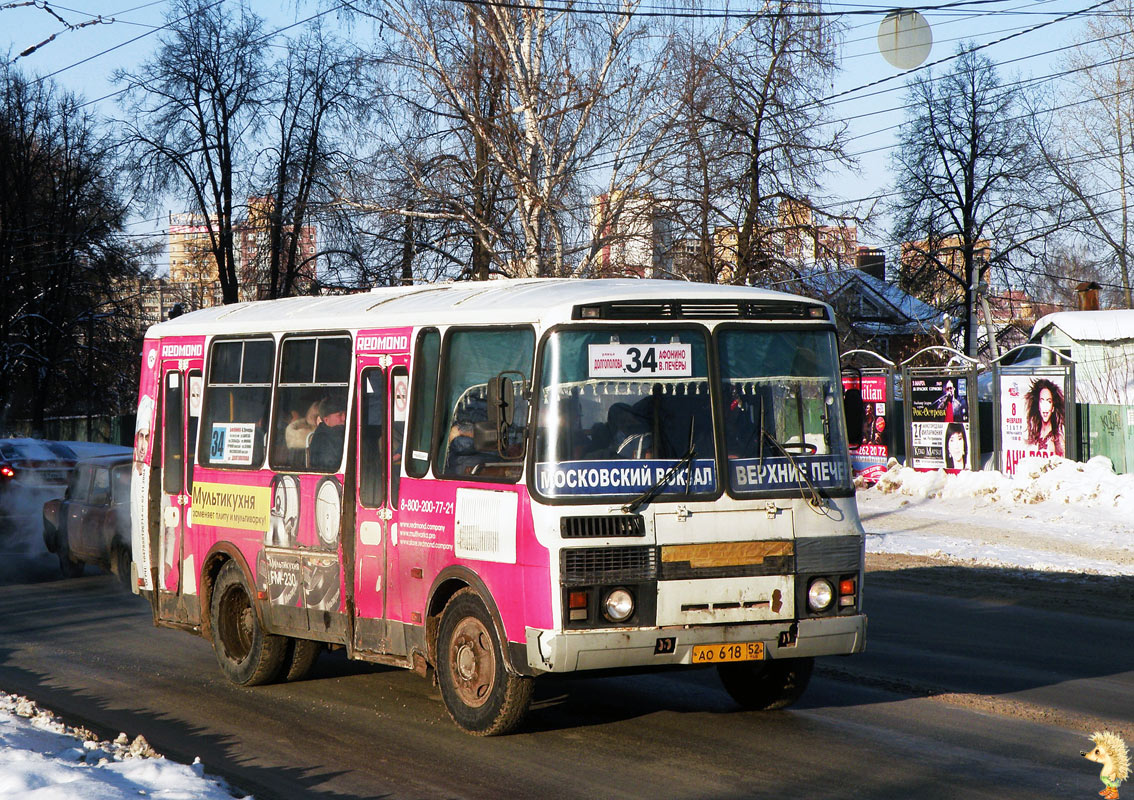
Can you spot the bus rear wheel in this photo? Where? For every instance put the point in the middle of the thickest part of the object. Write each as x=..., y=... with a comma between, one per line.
x=247, y=655
x=479, y=693
x=766, y=685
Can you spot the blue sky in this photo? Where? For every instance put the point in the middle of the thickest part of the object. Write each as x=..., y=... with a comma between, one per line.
x=87, y=57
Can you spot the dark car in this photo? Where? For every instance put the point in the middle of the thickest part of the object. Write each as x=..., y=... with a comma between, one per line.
x=91, y=523
x=32, y=471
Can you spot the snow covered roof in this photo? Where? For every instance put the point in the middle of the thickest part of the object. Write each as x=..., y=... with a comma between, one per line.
x=497, y=301
x=1089, y=326
x=915, y=315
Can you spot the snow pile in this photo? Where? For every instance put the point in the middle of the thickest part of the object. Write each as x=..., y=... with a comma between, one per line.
x=1053, y=515
x=44, y=759
x=1037, y=480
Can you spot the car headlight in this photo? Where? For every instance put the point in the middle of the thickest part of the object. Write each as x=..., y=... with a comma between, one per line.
x=618, y=605
x=820, y=594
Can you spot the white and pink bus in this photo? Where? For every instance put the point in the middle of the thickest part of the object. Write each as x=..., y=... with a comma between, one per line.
x=489, y=482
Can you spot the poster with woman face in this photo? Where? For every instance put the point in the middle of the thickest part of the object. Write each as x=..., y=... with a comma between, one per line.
x=1033, y=413
x=940, y=427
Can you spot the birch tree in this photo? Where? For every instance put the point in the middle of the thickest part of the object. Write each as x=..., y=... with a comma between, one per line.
x=516, y=103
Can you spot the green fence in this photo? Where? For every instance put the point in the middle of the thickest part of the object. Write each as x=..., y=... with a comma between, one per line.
x=118, y=429
x=1107, y=430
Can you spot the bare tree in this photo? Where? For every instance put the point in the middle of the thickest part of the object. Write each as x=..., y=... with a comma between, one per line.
x=970, y=186
x=311, y=97
x=749, y=136
x=62, y=257
x=193, y=111
x=1092, y=150
x=511, y=105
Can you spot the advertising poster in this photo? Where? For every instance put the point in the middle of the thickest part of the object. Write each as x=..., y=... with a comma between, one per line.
x=939, y=436
x=868, y=460
x=1032, y=418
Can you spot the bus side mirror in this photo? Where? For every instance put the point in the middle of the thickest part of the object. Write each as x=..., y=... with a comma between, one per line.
x=855, y=412
x=501, y=401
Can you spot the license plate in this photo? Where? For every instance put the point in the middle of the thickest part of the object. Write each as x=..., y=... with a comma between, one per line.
x=735, y=651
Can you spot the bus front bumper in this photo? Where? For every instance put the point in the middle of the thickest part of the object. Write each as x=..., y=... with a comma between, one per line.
x=573, y=651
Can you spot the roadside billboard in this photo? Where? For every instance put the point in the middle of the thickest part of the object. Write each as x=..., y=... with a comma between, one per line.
x=940, y=431
x=1035, y=410
x=874, y=428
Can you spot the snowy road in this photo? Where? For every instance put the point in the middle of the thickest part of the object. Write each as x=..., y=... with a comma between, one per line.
x=1000, y=637
x=965, y=691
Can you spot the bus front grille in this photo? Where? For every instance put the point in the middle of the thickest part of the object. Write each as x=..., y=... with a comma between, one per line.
x=601, y=527
x=604, y=565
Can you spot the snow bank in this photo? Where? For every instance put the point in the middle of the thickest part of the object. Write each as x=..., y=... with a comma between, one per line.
x=1037, y=480
x=1052, y=515
x=44, y=759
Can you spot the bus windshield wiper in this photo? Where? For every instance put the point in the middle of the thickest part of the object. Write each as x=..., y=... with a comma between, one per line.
x=660, y=483
x=801, y=478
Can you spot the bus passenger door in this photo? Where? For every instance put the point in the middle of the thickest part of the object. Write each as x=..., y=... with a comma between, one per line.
x=174, y=495
x=383, y=395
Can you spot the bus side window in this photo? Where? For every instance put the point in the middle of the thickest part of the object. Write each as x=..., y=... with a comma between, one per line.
x=236, y=402
x=173, y=457
x=470, y=445
x=314, y=376
x=426, y=356
x=399, y=408
x=196, y=388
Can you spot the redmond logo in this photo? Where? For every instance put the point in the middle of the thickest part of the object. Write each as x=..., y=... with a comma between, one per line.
x=182, y=350
x=382, y=343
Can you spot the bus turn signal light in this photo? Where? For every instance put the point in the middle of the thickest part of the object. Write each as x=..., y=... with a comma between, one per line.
x=577, y=604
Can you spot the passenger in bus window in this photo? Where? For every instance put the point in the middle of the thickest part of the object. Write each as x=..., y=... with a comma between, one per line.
x=325, y=449
x=462, y=456
x=300, y=429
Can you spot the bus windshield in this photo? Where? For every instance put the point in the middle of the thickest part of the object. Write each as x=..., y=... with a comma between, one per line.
x=622, y=407
x=783, y=426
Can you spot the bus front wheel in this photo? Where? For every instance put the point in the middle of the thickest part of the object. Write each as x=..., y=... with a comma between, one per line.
x=766, y=685
x=247, y=655
x=480, y=694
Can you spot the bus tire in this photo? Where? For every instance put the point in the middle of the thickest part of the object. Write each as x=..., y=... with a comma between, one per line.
x=300, y=658
x=248, y=656
x=766, y=685
x=479, y=693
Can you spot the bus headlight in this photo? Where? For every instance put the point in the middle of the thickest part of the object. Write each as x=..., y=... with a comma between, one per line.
x=820, y=594
x=618, y=605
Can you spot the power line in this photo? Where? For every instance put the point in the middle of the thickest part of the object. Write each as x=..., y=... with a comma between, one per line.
x=139, y=37
x=578, y=8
